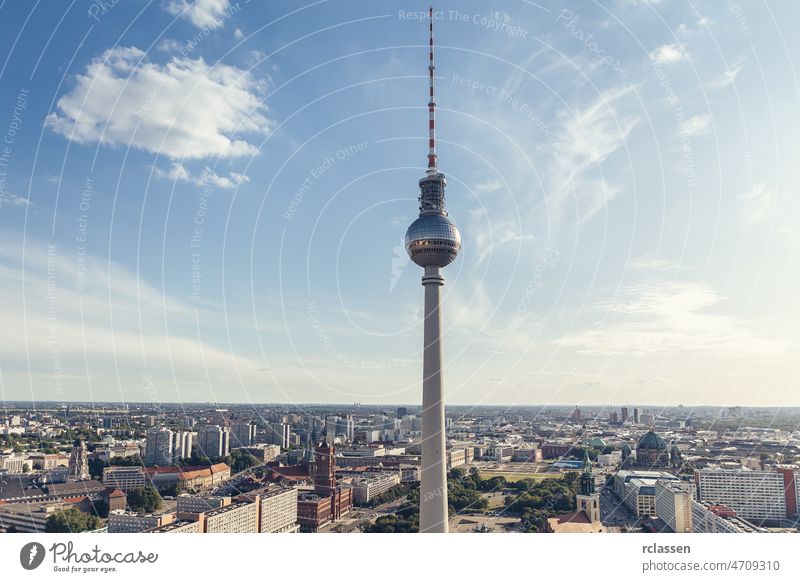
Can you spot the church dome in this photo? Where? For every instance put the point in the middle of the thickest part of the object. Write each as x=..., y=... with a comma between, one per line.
x=651, y=441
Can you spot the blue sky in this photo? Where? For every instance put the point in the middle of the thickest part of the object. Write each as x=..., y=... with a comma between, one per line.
x=206, y=201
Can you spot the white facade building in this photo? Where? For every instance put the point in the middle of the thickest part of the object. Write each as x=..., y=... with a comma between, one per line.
x=754, y=495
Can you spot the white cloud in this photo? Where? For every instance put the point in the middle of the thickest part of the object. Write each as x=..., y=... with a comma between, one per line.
x=651, y=263
x=669, y=317
x=487, y=187
x=14, y=200
x=169, y=45
x=757, y=204
x=238, y=34
x=182, y=109
x=696, y=126
x=667, y=54
x=178, y=172
x=201, y=13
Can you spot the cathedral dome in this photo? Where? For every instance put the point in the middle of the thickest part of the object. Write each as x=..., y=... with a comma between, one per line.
x=651, y=441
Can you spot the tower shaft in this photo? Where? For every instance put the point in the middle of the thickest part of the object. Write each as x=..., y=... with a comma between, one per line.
x=433, y=517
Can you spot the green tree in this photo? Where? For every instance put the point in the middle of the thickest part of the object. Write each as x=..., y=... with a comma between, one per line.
x=144, y=500
x=241, y=460
x=71, y=520
x=96, y=467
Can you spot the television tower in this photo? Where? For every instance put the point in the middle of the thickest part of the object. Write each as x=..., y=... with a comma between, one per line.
x=432, y=241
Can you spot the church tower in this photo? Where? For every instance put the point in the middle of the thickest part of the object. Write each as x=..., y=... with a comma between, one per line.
x=588, y=500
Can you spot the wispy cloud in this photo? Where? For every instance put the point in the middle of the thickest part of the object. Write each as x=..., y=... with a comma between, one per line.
x=651, y=263
x=178, y=173
x=661, y=318
x=758, y=202
x=587, y=138
x=729, y=76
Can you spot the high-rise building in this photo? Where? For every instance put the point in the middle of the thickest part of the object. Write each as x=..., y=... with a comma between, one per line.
x=243, y=434
x=636, y=416
x=330, y=428
x=791, y=482
x=78, y=467
x=159, y=446
x=278, y=434
x=674, y=505
x=182, y=443
x=432, y=241
x=278, y=510
x=753, y=495
x=402, y=411
x=624, y=414
x=213, y=441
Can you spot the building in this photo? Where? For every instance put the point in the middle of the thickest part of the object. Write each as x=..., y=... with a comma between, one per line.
x=620, y=486
x=555, y=450
x=189, y=478
x=371, y=485
x=125, y=478
x=587, y=517
x=754, y=495
x=710, y=517
x=263, y=452
x=456, y=458
x=329, y=501
x=159, y=447
x=433, y=241
x=640, y=496
x=28, y=517
x=179, y=526
x=624, y=414
x=674, y=505
x=78, y=465
x=243, y=434
x=13, y=464
x=213, y=441
x=791, y=487
x=278, y=434
x=182, y=444
x=651, y=451
x=238, y=517
x=588, y=500
x=188, y=503
x=278, y=511
x=120, y=521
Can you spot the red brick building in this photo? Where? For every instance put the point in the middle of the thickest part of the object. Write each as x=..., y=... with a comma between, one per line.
x=329, y=502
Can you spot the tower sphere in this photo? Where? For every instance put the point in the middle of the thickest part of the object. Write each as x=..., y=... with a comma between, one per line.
x=433, y=240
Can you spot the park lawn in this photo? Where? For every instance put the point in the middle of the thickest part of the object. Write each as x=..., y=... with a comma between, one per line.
x=511, y=477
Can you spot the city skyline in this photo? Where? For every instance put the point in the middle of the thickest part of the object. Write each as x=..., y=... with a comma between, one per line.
x=207, y=203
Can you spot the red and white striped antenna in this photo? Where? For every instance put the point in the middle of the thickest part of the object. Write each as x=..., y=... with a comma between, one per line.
x=431, y=105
